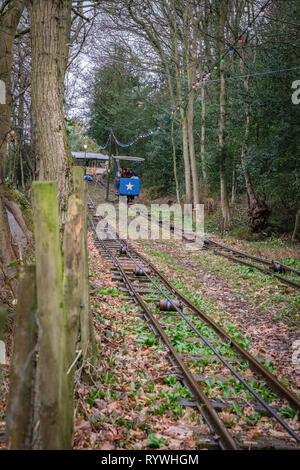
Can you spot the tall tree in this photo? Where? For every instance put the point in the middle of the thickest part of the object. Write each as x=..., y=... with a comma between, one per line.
x=258, y=209
x=192, y=18
x=222, y=11
x=10, y=14
x=50, y=33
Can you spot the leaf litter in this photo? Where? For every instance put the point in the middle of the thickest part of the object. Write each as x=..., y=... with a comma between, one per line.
x=130, y=404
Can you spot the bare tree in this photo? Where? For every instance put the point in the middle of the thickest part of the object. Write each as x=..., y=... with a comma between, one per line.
x=222, y=12
x=10, y=14
x=259, y=211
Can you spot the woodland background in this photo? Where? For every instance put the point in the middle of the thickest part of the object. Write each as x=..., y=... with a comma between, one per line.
x=74, y=69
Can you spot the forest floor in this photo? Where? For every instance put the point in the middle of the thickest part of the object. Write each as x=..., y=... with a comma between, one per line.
x=263, y=310
x=134, y=399
x=135, y=403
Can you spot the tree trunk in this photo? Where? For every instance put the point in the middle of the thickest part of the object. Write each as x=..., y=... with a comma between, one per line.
x=8, y=24
x=202, y=146
x=222, y=123
x=17, y=213
x=36, y=159
x=196, y=190
x=64, y=31
x=49, y=39
x=207, y=53
x=20, y=132
x=174, y=162
x=296, y=233
x=22, y=169
x=190, y=38
x=233, y=187
x=187, y=171
x=171, y=91
x=7, y=252
x=258, y=209
x=223, y=180
x=185, y=149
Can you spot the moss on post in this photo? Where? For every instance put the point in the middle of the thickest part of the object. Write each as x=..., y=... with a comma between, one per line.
x=53, y=383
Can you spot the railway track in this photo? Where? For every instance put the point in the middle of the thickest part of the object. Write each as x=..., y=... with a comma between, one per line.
x=208, y=361
x=265, y=266
x=268, y=267
x=271, y=268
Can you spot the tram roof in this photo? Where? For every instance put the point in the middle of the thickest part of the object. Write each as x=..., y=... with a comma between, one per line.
x=101, y=156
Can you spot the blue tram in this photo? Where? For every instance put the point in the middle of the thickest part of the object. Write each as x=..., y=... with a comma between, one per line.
x=127, y=179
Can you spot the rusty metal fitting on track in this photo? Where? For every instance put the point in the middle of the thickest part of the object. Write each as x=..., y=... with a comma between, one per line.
x=166, y=306
x=141, y=272
x=278, y=267
x=123, y=250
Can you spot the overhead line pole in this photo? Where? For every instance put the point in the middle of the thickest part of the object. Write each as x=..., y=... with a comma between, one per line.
x=108, y=169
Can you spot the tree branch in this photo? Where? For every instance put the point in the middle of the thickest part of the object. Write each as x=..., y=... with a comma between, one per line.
x=79, y=14
x=21, y=33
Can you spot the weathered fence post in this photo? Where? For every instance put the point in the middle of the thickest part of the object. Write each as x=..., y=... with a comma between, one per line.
x=53, y=383
x=86, y=324
x=19, y=404
x=73, y=293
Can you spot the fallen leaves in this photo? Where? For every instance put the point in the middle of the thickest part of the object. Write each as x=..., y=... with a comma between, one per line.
x=107, y=445
x=130, y=377
x=182, y=430
x=83, y=426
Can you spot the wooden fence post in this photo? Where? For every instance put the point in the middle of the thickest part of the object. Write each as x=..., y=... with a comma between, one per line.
x=19, y=403
x=53, y=383
x=73, y=294
x=86, y=325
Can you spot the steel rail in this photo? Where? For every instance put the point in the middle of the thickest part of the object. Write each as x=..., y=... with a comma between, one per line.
x=267, y=262
x=264, y=271
x=255, y=258
x=255, y=365
x=240, y=253
x=270, y=264
x=232, y=370
x=209, y=413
